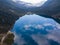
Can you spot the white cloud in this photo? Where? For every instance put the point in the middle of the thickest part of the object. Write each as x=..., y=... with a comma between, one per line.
x=54, y=35
x=47, y=24
x=38, y=26
x=27, y=27
x=19, y=40
x=40, y=39
x=58, y=26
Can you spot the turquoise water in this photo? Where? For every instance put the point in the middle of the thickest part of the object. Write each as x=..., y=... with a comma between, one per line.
x=35, y=30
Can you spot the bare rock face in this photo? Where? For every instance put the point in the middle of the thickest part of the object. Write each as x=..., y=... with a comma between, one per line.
x=8, y=39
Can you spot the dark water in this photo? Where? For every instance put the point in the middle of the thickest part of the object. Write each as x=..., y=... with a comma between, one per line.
x=36, y=30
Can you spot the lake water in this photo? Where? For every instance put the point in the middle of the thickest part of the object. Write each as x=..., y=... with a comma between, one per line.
x=36, y=30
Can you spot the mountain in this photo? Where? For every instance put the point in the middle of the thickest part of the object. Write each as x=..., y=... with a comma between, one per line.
x=12, y=11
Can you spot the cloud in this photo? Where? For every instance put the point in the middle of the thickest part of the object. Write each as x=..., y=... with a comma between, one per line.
x=18, y=39
x=39, y=26
x=48, y=24
x=27, y=27
x=40, y=39
x=54, y=35
x=58, y=26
